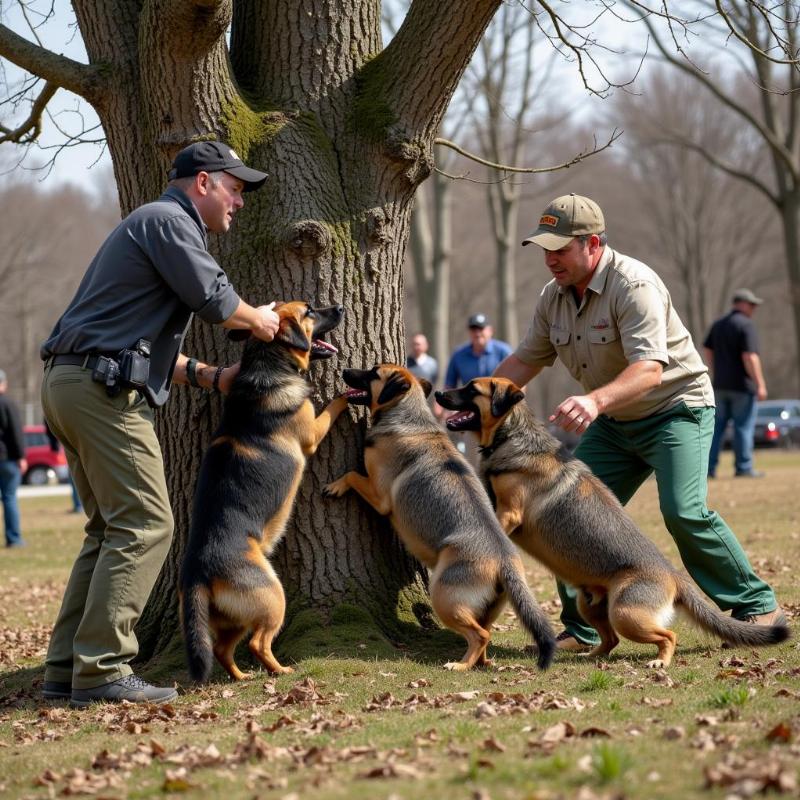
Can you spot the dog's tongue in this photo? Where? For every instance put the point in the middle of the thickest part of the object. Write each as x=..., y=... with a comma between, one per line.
x=320, y=345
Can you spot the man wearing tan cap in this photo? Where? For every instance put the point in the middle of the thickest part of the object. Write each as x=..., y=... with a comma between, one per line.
x=731, y=351
x=648, y=405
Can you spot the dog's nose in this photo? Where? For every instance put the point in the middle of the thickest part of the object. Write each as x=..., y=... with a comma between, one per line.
x=339, y=308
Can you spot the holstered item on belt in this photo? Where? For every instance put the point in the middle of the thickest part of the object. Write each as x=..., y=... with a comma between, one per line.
x=130, y=368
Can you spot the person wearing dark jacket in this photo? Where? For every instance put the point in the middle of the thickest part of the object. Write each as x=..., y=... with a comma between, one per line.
x=12, y=463
x=111, y=359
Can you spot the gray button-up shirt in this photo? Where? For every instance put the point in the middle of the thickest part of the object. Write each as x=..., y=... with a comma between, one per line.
x=625, y=316
x=152, y=272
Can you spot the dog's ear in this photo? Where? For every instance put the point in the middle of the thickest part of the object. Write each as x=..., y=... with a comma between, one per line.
x=426, y=386
x=239, y=334
x=504, y=398
x=396, y=385
x=290, y=333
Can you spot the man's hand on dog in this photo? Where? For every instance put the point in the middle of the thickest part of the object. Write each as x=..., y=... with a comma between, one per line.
x=266, y=323
x=576, y=413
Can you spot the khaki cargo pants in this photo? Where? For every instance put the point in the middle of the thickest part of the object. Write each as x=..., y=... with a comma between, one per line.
x=118, y=470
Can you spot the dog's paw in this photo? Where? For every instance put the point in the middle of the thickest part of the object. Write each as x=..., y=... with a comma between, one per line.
x=656, y=664
x=283, y=670
x=336, y=488
x=456, y=666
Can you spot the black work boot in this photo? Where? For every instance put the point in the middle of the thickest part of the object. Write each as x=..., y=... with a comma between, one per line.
x=130, y=688
x=56, y=690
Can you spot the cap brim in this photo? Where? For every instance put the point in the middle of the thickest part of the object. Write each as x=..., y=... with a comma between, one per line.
x=252, y=178
x=549, y=241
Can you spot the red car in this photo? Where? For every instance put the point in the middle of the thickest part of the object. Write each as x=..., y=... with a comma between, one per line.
x=44, y=463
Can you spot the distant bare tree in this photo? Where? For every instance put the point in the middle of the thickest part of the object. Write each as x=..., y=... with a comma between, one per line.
x=46, y=241
x=746, y=42
x=706, y=230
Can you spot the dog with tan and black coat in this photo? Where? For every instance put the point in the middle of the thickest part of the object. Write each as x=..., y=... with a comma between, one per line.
x=245, y=493
x=417, y=477
x=554, y=508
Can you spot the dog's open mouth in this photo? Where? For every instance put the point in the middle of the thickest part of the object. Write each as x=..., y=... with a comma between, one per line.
x=358, y=396
x=322, y=349
x=462, y=421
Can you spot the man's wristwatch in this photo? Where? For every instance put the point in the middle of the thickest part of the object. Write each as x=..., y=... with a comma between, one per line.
x=217, y=376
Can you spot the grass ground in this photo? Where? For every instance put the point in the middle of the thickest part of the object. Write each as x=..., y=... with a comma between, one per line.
x=719, y=723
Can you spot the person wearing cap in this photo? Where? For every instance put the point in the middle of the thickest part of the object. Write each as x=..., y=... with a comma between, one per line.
x=478, y=357
x=647, y=406
x=12, y=463
x=731, y=352
x=150, y=276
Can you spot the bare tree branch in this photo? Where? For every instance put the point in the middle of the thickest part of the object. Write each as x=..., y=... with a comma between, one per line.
x=90, y=82
x=774, y=142
x=747, y=41
x=30, y=129
x=527, y=170
x=712, y=159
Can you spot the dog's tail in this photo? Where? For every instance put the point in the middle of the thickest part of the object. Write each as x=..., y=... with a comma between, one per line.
x=528, y=610
x=731, y=630
x=196, y=635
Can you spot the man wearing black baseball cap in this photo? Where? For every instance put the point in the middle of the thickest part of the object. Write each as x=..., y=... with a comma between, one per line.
x=134, y=306
x=215, y=157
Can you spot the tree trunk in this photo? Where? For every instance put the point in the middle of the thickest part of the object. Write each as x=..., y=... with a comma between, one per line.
x=345, y=131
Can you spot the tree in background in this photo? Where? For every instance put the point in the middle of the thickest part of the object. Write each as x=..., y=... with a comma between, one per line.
x=706, y=232
x=46, y=242
x=726, y=48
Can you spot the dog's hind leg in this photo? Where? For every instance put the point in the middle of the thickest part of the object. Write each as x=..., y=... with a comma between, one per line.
x=226, y=639
x=267, y=625
x=459, y=617
x=645, y=625
x=594, y=609
x=486, y=622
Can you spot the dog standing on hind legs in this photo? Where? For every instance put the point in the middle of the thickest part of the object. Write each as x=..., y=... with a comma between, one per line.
x=442, y=515
x=245, y=494
x=554, y=508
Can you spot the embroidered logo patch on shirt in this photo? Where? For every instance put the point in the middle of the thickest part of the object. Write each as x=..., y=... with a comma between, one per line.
x=601, y=324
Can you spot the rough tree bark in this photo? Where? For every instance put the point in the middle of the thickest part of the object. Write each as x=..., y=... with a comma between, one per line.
x=345, y=130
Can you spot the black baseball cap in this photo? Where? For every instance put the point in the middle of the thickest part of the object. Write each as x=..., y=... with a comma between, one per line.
x=477, y=321
x=215, y=157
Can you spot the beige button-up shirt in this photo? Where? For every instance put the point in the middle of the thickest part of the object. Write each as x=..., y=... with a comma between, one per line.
x=626, y=316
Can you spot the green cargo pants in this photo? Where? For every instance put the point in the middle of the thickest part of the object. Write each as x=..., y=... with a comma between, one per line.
x=675, y=446
x=118, y=469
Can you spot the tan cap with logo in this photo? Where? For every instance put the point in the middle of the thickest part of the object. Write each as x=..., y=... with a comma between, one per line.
x=565, y=218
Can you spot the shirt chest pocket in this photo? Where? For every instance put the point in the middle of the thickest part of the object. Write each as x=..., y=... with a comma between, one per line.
x=603, y=336
x=559, y=338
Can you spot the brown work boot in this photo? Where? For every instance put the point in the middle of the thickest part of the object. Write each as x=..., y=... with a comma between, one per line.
x=774, y=617
x=565, y=641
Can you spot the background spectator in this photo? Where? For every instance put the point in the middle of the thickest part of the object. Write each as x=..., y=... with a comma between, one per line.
x=731, y=351
x=12, y=463
x=419, y=362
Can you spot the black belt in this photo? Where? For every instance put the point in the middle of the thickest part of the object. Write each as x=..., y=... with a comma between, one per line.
x=79, y=360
